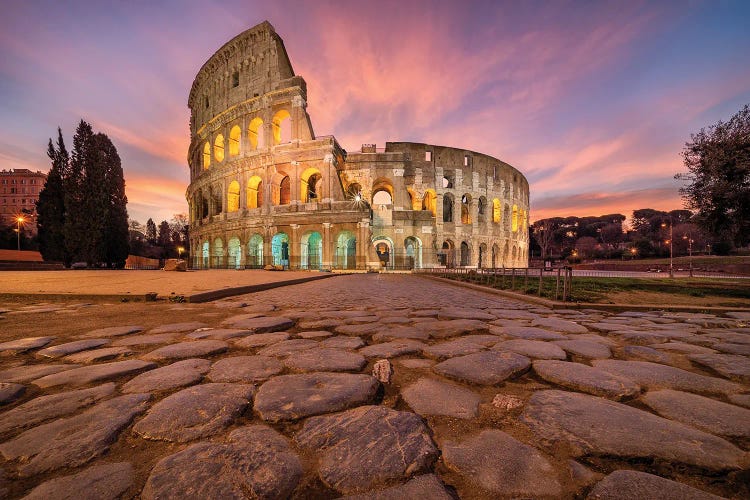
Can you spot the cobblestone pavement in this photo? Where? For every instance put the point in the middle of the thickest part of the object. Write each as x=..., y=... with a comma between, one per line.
x=371, y=386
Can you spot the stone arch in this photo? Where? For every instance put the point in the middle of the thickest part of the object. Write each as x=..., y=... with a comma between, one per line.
x=513, y=256
x=219, y=148
x=481, y=208
x=217, y=201
x=255, y=134
x=382, y=185
x=497, y=211
x=413, y=251
x=234, y=253
x=466, y=209
x=234, y=140
x=414, y=202
x=280, y=249
x=482, y=259
x=514, y=219
x=506, y=217
x=447, y=207
x=311, y=250
x=255, y=252
x=281, y=193
x=429, y=202
x=384, y=250
x=495, y=254
x=254, y=192
x=206, y=155
x=465, y=254
x=233, y=197
x=206, y=254
x=346, y=250
x=447, y=254
x=506, y=254
x=282, y=127
x=311, y=185
x=217, y=254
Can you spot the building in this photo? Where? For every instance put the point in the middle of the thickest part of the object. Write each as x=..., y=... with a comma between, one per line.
x=266, y=190
x=19, y=192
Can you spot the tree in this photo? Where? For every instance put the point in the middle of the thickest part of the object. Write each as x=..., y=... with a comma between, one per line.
x=51, y=205
x=151, y=231
x=77, y=221
x=179, y=227
x=165, y=237
x=718, y=177
x=544, y=233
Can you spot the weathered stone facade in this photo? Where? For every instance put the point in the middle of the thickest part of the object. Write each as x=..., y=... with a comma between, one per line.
x=265, y=190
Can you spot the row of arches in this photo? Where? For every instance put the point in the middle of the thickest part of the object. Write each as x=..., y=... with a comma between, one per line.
x=452, y=255
x=216, y=150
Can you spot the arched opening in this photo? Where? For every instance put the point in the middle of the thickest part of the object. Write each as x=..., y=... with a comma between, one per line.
x=311, y=183
x=384, y=251
x=281, y=189
x=280, y=249
x=233, y=197
x=506, y=217
x=414, y=202
x=447, y=208
x=513, y=256
x=234, y=252
x=234, y=140
x=514, y=219
x=254, y=192
x=506, y=254
x=203, y=210
x=218, y=254
x=465, y=209
x=465, y=254
x=429, y=202
x=282, y=127
x=311, y=250
x=205, y=254
x=219, y=148
x=255, y=252
x=206, y=155
x=382, y=198
x=481, y=208
x=446, y=254
x=346, y=250
x=384, y=186
x=495, y=255
x=482, y=255
x=413, y=248
x=497, y=211
x=255, y=134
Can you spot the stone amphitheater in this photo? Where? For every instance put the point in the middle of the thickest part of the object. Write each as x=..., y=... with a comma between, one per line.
x=265, y=190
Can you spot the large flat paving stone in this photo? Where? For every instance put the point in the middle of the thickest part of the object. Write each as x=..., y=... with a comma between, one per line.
x=44, y=408
x=25, y=344
x=683, y=348
x=426, y=486
x=26, y=373
x=363, y=329
x=95, y=373
x=587, y=379
x=218, y=334
x=656, y=376
x=182, y=350
x=632, y=485
x=195, y=412
x=112, y=331
x=341, y=342
x=645, y=353
x=179, y=374
x=247, y=369
x=287, y=347
x=57, y=351
x=264, y=324
x=730, y=348
x=93, y=483
x=484, y=368
x=464, y=313
x=589, y=425
x=433, y=397
x=535, y=349
x=322, y=359
x=261, y=340
x=529, y=333
x=97, y=355
x=73, y=441
x=400, y=332
x=700, y=412
x=291, y=397
x=255, y=462
x=585, y=348
x=178, y=327
x=731, y=366
x=369, y=446
x=452, y=328
x=502, y=465
x=393, y=348
x=148, y=339
x=10, y=391
x=456, y=347
x=559, y=325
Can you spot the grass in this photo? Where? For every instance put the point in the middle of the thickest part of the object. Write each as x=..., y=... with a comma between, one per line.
x=601, y=290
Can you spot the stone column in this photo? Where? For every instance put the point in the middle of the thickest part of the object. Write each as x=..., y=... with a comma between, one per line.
x=327, y=245
x=294, y=247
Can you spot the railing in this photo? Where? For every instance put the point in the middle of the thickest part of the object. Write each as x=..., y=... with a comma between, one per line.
x=555, y=283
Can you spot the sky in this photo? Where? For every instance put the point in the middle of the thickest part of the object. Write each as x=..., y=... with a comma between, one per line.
x=592, y=101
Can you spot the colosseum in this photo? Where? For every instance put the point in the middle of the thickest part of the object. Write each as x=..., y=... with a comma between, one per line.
x=265, y=190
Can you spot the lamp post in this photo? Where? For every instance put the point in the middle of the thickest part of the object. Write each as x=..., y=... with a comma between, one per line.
x=690, y=252
x=671, y=266
x=19, y=220
x=179, y=252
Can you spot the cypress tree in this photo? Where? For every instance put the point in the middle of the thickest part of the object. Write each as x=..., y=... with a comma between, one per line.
x=77, y=219
x=116, y=235
x=51, y=205
x=151, y=231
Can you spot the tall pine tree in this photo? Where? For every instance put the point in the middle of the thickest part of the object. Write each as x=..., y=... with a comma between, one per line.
x=77, y=220
x=151, y=231
x=51, y=205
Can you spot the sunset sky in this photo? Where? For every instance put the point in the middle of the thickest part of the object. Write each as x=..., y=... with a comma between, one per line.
x=592, y=101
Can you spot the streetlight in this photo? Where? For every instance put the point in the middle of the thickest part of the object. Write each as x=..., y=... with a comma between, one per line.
x=19, y=220
x=179, y=252
x=690, y=251
x=671, y=267
x=633, y=251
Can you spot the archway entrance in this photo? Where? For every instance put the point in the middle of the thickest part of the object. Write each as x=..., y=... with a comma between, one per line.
x=235, y=252
x=205, y=254
x=446, y=254
x=255, y=252
x=384, y=251
x=465, y=254
x=482, y=255
x=346, y=250
x=280, y=249
x=413, y=248
x=311, y=251
x=218, y=256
